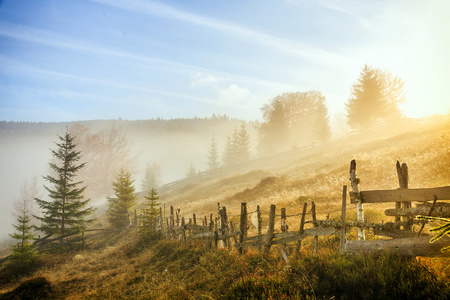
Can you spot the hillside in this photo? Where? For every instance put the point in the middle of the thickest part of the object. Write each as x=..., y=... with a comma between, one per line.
x=320, y=172
x=135, y=268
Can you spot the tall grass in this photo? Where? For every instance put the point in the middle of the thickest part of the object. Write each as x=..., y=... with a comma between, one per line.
x=164, y=269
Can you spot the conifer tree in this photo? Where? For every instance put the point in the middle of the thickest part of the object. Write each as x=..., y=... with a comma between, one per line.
x=243, y=144
x=151, y=212
x=152, y=178
x=213, y=155
x=67, y=210
x=119, y=207
x=191, y=173
x=375, y=97
x=228, y=153
x=24, y=253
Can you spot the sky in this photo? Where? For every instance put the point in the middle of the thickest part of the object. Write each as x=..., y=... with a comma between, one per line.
x=137, y=59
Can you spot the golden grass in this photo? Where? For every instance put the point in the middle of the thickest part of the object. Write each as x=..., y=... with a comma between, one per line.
x=122, y=271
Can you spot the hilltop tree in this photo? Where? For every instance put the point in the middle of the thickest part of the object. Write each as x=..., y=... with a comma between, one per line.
x=273, y=133
x=374, y=98
x=151, y=212
x=152, y=178
x=120, y=206
x=322, y=129
x=67, y=210
x=293, y=118
x=213, y=155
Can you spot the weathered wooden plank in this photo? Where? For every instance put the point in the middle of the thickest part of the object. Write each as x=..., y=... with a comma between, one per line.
x=288, y=236
x=395, y=233
x=441, y=209
x=211, y=234
x=402, y=195
x=196, y=227
x=410, y=247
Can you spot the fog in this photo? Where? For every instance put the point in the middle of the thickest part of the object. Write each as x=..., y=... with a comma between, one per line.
x=25, y=153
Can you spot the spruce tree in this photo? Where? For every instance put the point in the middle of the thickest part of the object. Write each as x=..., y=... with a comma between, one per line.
x=213, y=155
x=152, y=178
x=191, y=173
x=150, y=213
x=24, y=253
x=67, y=210
x=228, y=153
x=119, y=207
x=243, y=147
x=375, y=97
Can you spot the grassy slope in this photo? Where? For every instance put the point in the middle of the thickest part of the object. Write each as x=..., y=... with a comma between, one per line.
x=138, y=270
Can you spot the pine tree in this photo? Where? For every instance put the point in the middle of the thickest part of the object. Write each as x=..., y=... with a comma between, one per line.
x=152, y=178
x=228, y=153
x=322, y=123
x=67, y=210
x=375, y=96
x=191, y=173
x=243, y=145
x=213, y=155
x=24, y=253
x=120, y=206
x=151, y=212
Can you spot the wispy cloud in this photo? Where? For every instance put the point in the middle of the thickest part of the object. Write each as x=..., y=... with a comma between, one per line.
x=39, y=36
x=115, y=84
x=286, y=46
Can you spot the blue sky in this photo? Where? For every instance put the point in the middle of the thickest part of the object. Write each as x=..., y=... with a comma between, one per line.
x=137, y=59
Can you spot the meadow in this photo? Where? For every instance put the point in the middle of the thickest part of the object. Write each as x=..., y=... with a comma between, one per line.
x=133, y=266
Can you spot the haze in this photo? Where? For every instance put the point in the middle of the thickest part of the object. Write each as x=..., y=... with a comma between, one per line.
x=140, y=60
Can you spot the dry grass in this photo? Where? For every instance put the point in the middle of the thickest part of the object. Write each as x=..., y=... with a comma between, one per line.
x=135, y=270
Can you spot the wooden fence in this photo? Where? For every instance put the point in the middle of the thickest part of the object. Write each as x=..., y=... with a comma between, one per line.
x=221, y=231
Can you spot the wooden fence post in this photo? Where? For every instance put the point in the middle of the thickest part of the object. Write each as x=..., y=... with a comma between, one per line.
x=216, y=233
x=172, y=219
x=359, y=206
x=271, y=229
x=284, y=226
x=224, y=220
x=183, y=232
x=403, y=181
x=236, y=241
x=316, y=238
x=258, y=215
x=243, y=226
x=161, y=220
x=343, y=217
x=302, y=226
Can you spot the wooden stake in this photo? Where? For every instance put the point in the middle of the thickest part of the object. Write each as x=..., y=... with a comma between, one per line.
x=316, y=238
x=243, y=226
x=258, y=215
x=271, y=229
x=343, y=217
x=403, y=180
x=183, y=231
x=359, y=206
x=302, y=226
